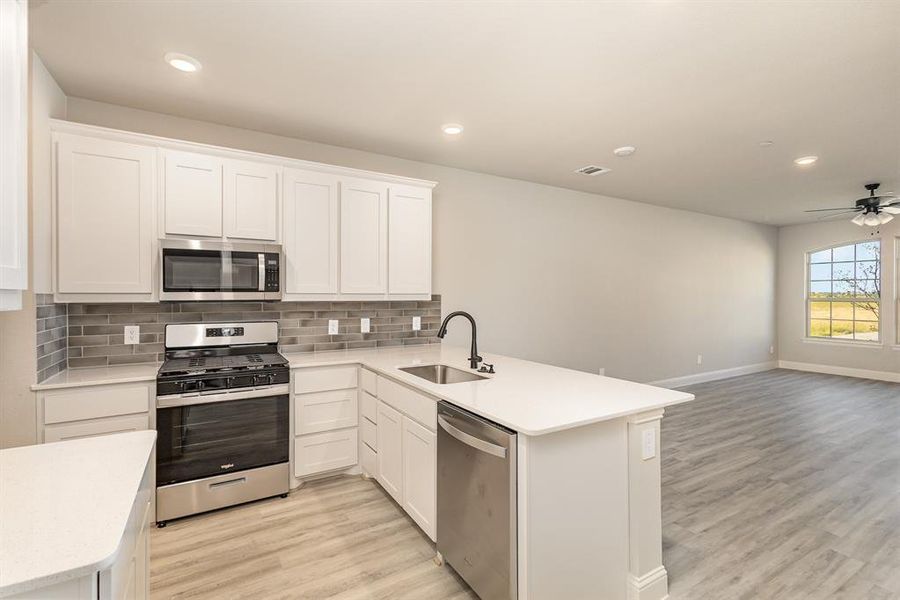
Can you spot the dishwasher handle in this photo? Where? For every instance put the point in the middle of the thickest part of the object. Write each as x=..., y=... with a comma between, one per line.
x=471, y=440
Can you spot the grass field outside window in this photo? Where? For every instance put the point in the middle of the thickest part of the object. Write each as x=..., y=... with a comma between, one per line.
x=844, y=292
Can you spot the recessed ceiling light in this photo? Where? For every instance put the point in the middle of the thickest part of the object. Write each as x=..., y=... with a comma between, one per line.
x=452, y=128
x=624, y=151
x=805, y=161
x=183, y=62
x=766, y=143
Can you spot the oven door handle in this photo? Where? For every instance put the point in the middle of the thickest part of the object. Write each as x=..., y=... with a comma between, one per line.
x=190, y=399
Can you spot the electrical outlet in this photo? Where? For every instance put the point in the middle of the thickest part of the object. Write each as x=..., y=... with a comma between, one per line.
x=332, y=326
x=417, y=323
x=771, y=349
x=132, y=334
x=648, y=444
x=365, y=325
x=699, y=359
x=601, y=371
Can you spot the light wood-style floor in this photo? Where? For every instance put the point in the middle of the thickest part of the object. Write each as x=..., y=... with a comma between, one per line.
x=783, y=485
x=778, y=485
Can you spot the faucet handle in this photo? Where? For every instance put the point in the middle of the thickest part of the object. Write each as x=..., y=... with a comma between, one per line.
x=486, y=368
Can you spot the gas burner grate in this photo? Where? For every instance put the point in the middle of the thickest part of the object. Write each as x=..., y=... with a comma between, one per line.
x=196, y=362
x=254, y=358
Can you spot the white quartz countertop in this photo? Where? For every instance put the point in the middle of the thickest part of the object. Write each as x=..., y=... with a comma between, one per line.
x=531, y=398
x=98, y=375
x=64, y=507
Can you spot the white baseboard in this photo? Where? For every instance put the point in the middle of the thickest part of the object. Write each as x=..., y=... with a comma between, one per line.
x=845, y=371
x=677, y=382
x=650, y=586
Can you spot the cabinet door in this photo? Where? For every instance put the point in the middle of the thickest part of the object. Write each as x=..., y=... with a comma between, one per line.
x=192, y=192
x=390, y=451
x=419, y=475
x=310, y=233
x=13, y=152
x=363, y=237
x=251, y=200
x=409, y=230
x=104, y=216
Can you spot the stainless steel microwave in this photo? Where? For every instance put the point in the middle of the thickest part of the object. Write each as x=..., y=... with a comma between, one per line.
x=204, y=270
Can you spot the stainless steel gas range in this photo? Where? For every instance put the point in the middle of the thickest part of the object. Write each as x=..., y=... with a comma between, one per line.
x=222, y=417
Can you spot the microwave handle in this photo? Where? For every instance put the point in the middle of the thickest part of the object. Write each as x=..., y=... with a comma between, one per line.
x=262, y=272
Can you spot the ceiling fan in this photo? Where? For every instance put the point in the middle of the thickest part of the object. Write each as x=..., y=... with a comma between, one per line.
x=871, y=210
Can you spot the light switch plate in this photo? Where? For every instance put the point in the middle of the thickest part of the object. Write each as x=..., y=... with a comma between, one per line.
x=417, y=323
x=365, y=325
x=648, y=444
x=332, y=326
x=132, y=334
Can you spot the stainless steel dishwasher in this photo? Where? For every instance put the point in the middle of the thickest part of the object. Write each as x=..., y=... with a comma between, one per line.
x=476, y=501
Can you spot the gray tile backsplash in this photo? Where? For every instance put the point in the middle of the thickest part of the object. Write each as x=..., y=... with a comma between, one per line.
x=51, y=336
x=95, y=334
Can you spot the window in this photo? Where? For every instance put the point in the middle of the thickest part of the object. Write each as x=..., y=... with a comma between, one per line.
x=844, y=292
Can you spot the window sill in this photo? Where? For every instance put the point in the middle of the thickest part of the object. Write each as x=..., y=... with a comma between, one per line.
x=847, y=343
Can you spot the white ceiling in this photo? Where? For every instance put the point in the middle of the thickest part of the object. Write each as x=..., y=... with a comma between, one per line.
x=542, y=87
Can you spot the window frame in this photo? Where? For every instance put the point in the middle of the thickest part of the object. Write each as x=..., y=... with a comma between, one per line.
x=853, y=300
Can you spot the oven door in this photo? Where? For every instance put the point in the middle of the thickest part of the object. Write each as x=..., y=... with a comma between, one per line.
x=197, y=270
x=203, y=436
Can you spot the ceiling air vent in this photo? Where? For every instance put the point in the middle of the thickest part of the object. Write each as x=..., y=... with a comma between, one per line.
x=592, y=170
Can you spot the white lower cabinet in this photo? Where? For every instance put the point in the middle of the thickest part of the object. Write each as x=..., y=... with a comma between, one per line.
x=390, y=451
x=87, y=411
x=406, y=452
x=419, y=475
x=320, y=452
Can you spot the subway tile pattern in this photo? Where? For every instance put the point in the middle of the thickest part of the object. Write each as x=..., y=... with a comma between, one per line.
x=51, y=336
x=96, y=331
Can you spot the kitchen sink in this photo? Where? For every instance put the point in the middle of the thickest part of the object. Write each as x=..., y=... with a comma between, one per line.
x=442, y=374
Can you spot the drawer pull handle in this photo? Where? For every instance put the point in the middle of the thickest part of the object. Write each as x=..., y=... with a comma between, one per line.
x=228, y=482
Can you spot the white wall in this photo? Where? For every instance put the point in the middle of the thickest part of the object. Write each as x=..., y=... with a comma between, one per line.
x=794, y=242
x=17, y=328
x=564, y=277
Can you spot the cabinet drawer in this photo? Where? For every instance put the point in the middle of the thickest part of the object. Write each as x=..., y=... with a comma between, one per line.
x=321, y=452
x=323, y=379
x=368, y=406
x=417, y=406
x=368, y=459
x=367, y=380
x=324, y=411
x=369, y=433
x=83, y=429
x=93, y=402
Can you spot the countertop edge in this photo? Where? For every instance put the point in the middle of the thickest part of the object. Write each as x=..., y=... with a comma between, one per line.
x=107, y=559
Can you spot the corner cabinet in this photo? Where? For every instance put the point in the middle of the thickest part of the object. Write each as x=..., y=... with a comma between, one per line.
x=104, y=219
x=346, y=234
x=13, y=153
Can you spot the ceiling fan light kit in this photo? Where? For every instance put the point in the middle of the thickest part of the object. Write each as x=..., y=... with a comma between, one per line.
x=871, y=210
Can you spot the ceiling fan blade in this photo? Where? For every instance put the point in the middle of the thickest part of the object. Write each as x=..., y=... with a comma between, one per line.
x=835, y=215
x=827, y=209
x=891, y=210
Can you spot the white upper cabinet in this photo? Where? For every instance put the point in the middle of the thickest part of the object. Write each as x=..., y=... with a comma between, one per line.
x=409, y=250
x=104, y=216
x=13, y=153
x=311, y=232
x=364, y=237
x=192, y=194
x=251, y=200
